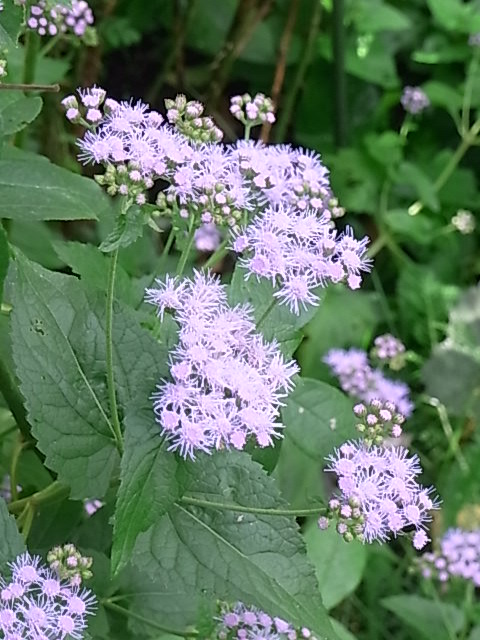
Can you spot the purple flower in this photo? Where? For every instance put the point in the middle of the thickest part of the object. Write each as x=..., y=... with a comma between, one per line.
x=249, y=623
x=35, y=603
x=207, y=237
x=50, y=20
x=389, y=350
x=414, y=100
x=251, y=111
x=227, y=382
x=378, y=493
x=358, y=379
x=457, y=556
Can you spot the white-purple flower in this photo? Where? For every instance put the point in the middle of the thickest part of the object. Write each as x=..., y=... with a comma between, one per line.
x=239, y=622
x=50, y=20
x=36, y=603
x=414, y=100
x=227, y=383
x=457, y=556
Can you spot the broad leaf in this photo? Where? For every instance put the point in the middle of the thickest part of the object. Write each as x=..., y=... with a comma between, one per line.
x=18, y=110
x=10, y=23
x=128, y=228
x=257, y=559
x=318, y=417
x=430, y=619
x=11, y=542
x=31, y=188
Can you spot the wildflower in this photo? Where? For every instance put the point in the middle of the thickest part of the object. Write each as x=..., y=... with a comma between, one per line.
x=414, y=100
x=92, y=506
x=188, y=119
x=227, y=382
x=36, y=603
x=252, y=111
x=358, y=379
x=52, y=19
x=207, y=237
x=378, y=420
x=464, y=221
x=378, y=494
x=69, y=564
x=243, y=623
x=389, y=350
x=457, y=556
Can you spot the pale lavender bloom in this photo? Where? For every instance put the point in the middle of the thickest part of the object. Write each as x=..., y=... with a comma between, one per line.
x=227, y=383
x=207, y=238
x=414, y=100
x=387, y=347
x=35, y=603
x=249, y=623
x=379, y=485
x=358, y=379
x=92, y=506
x=457, y=556
x=47, y=19
x=252, y=111
x=464, y=221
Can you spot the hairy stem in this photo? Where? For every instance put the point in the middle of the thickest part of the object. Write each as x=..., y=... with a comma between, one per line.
x=54, y=491
x=223, y=506
x=32, y=45
x=186, y=250
x=217, y=255
x=9, y=86
x=136, y=616
x=112, y=396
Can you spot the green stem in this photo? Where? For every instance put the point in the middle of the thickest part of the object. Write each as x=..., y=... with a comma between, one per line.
x=248, y=128
x=136, y=616
x=377, y=245
x=453, y=443
x=467, y=96
x=32, y=45
x=27, y=520
x=10, y=86
x=17, y=452
x=49, y=46
x=188, y=247
x=217, y=255
x=54, y=491
x=167, y=246
x=116, y=429
x=14, y=400
x=467, y=609
x=223, y=506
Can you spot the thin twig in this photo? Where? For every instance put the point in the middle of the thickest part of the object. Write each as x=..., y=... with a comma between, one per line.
x=279, y=75
x=11, y=86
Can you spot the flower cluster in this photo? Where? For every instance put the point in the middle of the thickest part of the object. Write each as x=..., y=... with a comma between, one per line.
x=228, y=383
x=389, y=350
x=35, y=603
x=464, y=222
x=254, y=111
x=207, y=237
x=378, y=494
x=377, y=421
x=458, y=556
x=69, y=564
x=59, y=18
x=360, y=380
x=249, y=623
x=188, y=119
x=414, y=100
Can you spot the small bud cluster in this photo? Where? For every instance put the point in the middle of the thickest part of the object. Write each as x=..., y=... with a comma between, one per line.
x=378, y=420
x=51, y=20
x=389, y=350
x=244, y=623
x=464, y=222
x=187, y=118
x=69, y=564
x=457, y=556
x=414, y=100
x=91, y=109
x=252, y=112
x=125, y=180
x=349, y=517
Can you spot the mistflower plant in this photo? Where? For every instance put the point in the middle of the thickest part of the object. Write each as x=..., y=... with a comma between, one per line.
x=51, y=20
x=359, y=380
x=227, y=383
x=239, y=622
x=464, y=222
x=456, y=557
x=36, y=603
x=70, y=564
x=414, y=100
x=378, y=420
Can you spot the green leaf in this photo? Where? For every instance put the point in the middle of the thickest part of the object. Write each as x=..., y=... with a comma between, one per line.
x=31, y=188
x=318, y=417
x=128, y=228
x=339, y=565
x=454, y=15
x=4, y=257
x=11, y=542
x=417, y=228
x=386, y=148
x=342, y=632
x=443, y=95
x=10, y=23
x=148, y=485
x=410, y=174
x=18, y=110
x=257, y=559
x=58, y=349
x=474, y=634
x=439, y=620
x=370, y=16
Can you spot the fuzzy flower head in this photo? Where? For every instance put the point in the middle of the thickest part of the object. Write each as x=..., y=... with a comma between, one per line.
x=378, y=495
x=69, y=564
x=36, y=603
x=252, y=111
x=207, y=238
x=227, y=384
x=378, y=420
x=389, y=350
x=49, y=19
x=92, y=506
x=189, y=120
x=464, y=222
x=359, y=380
x=249, y=623
x=414, y=100
x=456, y=557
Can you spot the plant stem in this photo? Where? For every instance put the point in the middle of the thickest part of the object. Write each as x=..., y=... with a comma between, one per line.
x=186, y=250
x=27, y=520
x=14, y=400
x=453, y=445
x=167, y=246
x=136, y=616
x=54, y=491
x=467, y=96
x=117, y=431
x=223, y=506
x=217, y=255
x=49, y=46
x=10, y=86
x=32, y=45
x=17, y=452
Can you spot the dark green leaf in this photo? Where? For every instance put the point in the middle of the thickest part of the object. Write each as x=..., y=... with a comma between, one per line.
x=128, y=228
x=257, y=559
x=443, y=95
x=11, y=542
x=431, y=619
x=10, y=23
x=386, y=148
x=410, y=174
x=18, y=110
x=370, y=16
x=417, y=228
x=31, y=188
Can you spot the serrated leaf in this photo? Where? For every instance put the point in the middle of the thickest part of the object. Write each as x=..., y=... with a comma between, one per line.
x=257, y=559
x=4, y=257
x=31, y=188
x=11, y=542
x=148, y=484
x=339, y=565
x=318, y=417
x=429, y=618
x=10, y=22
x=128, y=228
x=18, y=110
